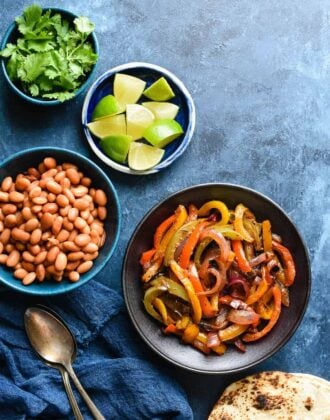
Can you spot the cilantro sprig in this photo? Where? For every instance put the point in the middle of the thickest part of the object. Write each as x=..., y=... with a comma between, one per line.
x=52, y=58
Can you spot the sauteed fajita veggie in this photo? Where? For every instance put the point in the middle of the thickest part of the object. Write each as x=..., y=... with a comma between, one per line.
x=216, y=276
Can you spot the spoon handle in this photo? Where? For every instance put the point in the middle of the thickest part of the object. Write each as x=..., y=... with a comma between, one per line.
x=73, y=402
x=92, y=407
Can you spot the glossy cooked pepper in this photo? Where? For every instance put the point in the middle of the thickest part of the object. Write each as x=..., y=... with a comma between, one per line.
x=267, y=235
x=218, y=205
x=240, y=257
x=273, y=320
x=179, y=237
x=232, y=331
x=183, y=277
x=238, y=223
x=190, y=244
x=160, y=306
x=162, y=229
x=207, y=309
x=150, y=295
x=289, y=267
x=260, y=290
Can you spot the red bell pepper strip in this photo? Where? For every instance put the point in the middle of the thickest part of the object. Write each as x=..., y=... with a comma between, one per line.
x=161, y=230
x=171, y=329
x=240, y=256
x=146, y=257
x=190, y=245
x=273, y=320
x=207, y=310
x=289, y=267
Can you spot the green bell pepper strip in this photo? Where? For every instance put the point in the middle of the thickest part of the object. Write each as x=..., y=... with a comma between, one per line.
x=150, y=295
x=171, y=286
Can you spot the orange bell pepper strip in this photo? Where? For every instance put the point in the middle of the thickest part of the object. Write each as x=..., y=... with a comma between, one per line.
x=206, y=306
x=183, y=277
x=161, y=230
x=180, y=217
x=190, y=333
x=218, y=205
x=190, y=245
x=289, y=266
x=260, y=290
x=171, y=329
x=267, y=235
x=273, y=320
x=238, y=223
x=146, y=257
x=232, y=331
x=240, y=256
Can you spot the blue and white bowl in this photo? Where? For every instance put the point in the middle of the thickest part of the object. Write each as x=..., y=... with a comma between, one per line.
x=149, y=73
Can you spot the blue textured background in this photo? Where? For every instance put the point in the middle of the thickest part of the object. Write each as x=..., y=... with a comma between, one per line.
x=259, y=73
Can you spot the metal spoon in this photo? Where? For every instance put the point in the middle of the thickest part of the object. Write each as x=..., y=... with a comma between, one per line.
x=54, y=342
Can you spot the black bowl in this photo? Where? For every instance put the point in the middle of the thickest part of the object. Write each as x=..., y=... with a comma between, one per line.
x=169, y=347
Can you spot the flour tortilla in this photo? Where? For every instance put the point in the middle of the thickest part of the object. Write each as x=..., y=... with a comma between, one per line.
x=275, y=395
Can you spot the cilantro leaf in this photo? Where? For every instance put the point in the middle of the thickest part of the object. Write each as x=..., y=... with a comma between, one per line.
x=31, y=16
x=8, y=50
x=84, y=25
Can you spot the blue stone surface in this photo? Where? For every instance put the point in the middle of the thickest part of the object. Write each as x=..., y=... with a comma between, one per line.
x=259, y=73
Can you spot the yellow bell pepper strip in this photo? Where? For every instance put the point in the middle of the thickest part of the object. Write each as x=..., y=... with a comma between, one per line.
x=227, y=231
x=179, y=236
x=220, y=240
x=190, y=244
x=147, y=257
x=171, y=286
x=265, y=306
x=183, y=277
x=150, y=295
x=260, y=290
x=215, y=302
x=180, y=217
x=238, y=223
x=267, y=235
x=162, y=229
x=273, y=320
x=289, y=267
x=240, y=256
x=218, y=205
x=254, y=230
x=161, y=308
x=220, y=349
x=183, y=322
x=207, y=309
x=233, y=331
x=190, y=333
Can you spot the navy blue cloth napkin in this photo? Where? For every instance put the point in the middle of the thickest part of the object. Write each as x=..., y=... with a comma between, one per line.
x=112, y=362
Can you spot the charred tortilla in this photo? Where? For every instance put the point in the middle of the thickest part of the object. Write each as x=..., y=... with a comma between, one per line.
x=275, y=395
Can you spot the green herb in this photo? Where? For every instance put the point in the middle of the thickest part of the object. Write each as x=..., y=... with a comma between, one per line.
x=52, y=58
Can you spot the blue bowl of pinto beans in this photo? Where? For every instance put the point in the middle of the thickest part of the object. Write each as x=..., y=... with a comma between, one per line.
x=59, y=220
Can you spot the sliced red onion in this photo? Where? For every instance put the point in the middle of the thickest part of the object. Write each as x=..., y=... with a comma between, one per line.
x=212, y=340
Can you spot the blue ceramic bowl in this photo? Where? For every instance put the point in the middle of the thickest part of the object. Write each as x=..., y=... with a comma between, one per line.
x=149, y=73
x=20, y=162
x=11, y=36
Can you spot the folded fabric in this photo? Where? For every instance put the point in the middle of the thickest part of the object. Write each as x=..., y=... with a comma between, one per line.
x=112, y=363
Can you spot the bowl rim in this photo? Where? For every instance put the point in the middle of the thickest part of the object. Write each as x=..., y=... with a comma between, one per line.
x=144, y=337
x=18, y=287
x=45, y=102
x=187, y=135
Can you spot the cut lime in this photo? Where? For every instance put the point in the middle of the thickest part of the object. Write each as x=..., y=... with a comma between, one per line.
x=162, y=110
x=162, y=132
x=127, y=89
x=107, y=126
x=138, y=118
x=142, y=156
x=107, y=106
x=159, y=91
x=116, y=147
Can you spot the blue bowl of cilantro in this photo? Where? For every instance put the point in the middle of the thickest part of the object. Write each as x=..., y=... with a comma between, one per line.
x=49, y=55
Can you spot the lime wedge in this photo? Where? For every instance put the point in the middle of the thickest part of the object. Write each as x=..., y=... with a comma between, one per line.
x=127, y=89
x=138, y=118
x=107, y=126
x=116, y=147
x=162, y=110
x=107, y=106
x=159, y=91
x=162, y=132
x=142, y=156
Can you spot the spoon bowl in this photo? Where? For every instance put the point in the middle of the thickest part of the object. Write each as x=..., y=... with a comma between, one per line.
x=55, y=344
